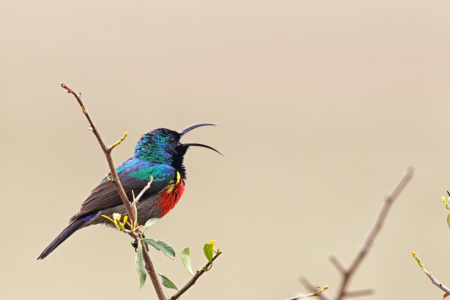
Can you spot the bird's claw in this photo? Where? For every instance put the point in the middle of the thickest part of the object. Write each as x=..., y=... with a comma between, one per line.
x=135, y=244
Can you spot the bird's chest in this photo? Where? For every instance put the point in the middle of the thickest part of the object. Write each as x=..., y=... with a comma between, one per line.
x=169, y=197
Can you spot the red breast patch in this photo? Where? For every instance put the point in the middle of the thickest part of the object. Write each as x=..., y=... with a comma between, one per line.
x=169, y=197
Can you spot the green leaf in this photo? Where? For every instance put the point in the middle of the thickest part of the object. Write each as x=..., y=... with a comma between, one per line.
x=149, y=224
x=167, y=282
x=140, y=266
x=208, y=250
x=160, y=245
x=167, y=294
x=186, y=258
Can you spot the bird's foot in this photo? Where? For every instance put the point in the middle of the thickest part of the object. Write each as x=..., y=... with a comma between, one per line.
x=135, y=244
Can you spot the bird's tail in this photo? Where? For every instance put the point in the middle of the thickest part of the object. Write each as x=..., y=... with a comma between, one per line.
x=68, y=231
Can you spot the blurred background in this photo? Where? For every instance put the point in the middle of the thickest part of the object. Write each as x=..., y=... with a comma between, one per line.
x=322, y=105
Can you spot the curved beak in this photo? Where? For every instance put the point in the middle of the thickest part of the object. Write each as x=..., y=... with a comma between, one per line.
x=186, y=130
x=201, y=145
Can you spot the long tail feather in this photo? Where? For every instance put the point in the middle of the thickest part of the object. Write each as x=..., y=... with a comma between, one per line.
x=68, y=231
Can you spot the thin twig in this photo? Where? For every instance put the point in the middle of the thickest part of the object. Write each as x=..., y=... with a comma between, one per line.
x=312, y=288
x=107, y=151
x=367, y=243
x=191, y=282
x=144, y=189
x=433, y=280
x=437, y=283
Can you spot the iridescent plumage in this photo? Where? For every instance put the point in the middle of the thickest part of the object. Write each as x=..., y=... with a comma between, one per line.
x=158, y=154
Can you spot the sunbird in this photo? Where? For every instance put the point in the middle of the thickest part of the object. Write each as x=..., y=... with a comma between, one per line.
x=158, y=154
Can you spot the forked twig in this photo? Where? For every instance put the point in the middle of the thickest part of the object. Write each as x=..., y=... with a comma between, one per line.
x=348, y=272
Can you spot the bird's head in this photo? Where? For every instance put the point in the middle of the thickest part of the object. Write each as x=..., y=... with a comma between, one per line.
x=163, y=146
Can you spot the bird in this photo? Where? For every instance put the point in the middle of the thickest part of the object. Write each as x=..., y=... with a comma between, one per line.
x=158, y=154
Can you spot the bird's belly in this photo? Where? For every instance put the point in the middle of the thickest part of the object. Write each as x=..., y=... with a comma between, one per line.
x=154, y=207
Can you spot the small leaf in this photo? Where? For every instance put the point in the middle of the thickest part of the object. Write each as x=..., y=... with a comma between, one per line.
x=160, y=245
x=186, y=258
x=149, y=224
x=140, y=266
x=167, y=294
x=167, y=282
x=208, y=250
x=108, y=218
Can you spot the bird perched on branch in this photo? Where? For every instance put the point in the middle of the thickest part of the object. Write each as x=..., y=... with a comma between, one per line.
x=158, y=154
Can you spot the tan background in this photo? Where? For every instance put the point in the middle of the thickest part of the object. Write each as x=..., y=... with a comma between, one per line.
x=321, y=105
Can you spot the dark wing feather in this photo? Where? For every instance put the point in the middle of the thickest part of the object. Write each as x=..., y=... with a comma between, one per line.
x=106, y=195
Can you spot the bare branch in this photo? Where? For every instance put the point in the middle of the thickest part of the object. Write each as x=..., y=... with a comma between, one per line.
x=367, y=243
x=437, y=283
x=191, y=282
x=115, y=178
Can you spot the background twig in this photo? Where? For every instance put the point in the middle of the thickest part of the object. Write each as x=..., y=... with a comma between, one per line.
x=347, y=273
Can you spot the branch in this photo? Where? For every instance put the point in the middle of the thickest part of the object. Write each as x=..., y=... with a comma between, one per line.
x=433, y=280
x=107, y=151
x=191, y=282
x=347, y=273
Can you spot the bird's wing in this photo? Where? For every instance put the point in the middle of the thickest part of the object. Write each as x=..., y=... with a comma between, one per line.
x=134, y=176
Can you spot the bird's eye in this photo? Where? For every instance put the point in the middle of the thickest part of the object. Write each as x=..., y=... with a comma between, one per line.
x=172, y=140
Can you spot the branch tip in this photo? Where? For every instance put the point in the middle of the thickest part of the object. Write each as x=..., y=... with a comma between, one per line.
x=119, y=141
